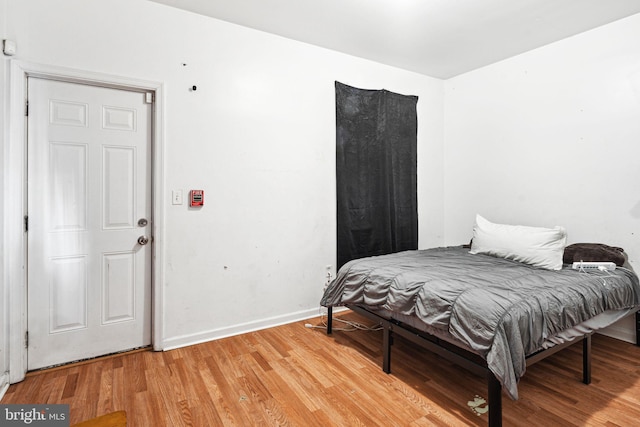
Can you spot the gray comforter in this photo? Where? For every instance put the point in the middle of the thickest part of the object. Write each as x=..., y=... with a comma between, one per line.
x=501, y=309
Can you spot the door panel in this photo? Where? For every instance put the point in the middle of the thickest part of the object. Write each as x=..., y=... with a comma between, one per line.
x=68, y=294
x=89, y=182
x=119, y=187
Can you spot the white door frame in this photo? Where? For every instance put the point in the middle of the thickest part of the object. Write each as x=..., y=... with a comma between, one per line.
x=15, y=238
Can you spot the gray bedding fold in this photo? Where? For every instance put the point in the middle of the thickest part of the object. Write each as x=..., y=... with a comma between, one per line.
x=501, y=309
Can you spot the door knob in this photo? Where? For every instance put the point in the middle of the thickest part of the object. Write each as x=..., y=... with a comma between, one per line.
x=143, y=240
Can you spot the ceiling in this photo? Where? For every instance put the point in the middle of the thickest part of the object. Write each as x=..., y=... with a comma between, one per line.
x=439, y=38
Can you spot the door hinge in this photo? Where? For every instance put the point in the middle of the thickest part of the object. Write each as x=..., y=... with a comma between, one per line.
x=26, y=108
x=26, y=223
x=26, y=339
x=148, y=97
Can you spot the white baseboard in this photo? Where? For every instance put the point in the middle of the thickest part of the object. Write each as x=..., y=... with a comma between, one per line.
x=215, y=334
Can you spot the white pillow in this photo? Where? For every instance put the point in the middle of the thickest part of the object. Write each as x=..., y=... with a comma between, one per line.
x=540, y=247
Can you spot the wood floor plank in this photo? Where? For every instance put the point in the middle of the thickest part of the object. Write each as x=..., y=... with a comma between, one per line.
x=296, y=376
x=234, y=401
x=105, y=390
x=161, y=389
x=55, y=395
x=89, y=376
x=70, y=386
x=120, y=393
x=46, y=388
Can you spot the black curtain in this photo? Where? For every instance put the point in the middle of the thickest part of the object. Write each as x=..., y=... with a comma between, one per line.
x=376, y=162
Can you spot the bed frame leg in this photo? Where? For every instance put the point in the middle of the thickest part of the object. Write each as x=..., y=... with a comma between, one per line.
x=586, y=359
x=495, y=400
x=386, y=349
x=329, y=320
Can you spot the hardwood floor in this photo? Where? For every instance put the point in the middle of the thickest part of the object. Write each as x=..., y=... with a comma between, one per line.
x=295, y=376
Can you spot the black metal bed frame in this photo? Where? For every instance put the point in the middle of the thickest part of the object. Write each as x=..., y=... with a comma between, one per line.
x=465, y=358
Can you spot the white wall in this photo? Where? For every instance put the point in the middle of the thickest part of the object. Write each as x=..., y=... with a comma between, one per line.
x=550, y=137
x=258, y=135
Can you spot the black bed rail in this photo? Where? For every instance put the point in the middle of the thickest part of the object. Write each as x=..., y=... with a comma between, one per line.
x=462, y=357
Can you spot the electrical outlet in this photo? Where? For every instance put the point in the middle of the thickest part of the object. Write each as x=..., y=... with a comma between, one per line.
x=327, y=282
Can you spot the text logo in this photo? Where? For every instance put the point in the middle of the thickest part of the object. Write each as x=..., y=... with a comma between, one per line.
x=34, y=415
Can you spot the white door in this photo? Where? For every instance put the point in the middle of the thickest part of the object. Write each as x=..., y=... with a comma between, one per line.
x=89, y=202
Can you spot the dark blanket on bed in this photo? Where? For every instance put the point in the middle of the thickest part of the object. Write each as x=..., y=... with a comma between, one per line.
x=503, y=310
x=589, y=252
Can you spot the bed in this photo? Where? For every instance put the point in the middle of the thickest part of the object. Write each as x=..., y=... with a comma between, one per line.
x=489, y=314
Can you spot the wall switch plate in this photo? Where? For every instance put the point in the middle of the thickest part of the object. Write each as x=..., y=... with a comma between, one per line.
x=176, y=197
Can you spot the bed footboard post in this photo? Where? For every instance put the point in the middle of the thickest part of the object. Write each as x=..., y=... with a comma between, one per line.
x=329, y=320
x=586, y=359
x=495, y=400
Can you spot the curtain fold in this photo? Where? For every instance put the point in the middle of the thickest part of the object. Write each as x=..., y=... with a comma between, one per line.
x=376, y=172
